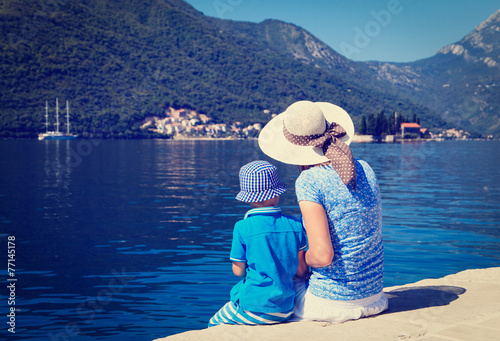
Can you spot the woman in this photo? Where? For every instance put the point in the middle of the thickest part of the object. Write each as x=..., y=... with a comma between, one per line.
x=340, y=202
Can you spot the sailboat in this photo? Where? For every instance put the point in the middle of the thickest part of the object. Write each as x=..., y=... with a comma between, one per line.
x=56, y=135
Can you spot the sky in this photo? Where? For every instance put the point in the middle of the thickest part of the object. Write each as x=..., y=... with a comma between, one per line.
x=381, y=30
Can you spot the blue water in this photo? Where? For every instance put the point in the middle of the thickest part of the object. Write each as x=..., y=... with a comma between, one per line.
x=129, y=240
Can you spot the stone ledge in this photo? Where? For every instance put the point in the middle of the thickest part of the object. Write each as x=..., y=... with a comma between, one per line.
x=459, y=307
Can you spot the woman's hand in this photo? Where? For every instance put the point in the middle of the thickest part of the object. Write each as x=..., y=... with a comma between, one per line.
x=320, y=253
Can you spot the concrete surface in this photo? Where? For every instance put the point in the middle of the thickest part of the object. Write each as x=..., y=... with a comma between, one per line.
x=463, y=306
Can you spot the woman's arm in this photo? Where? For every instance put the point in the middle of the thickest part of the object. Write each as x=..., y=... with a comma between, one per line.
x=240, y=269
x=320, y=253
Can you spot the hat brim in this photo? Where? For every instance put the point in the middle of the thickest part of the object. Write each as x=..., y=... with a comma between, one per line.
x=261, y=196
x=273, y=143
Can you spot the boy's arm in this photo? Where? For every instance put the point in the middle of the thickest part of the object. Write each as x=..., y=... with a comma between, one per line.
x=239, y=269
x=303, y=269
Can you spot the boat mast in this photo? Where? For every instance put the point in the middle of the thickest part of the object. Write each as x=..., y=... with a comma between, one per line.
x=46, y=116
x=67, y=118
x=57, y=115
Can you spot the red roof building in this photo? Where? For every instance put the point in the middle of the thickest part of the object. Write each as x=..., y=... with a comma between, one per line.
x=410, y=125
x=410, y=128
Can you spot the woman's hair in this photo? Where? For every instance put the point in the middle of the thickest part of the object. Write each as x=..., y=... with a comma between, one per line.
x=303, y=168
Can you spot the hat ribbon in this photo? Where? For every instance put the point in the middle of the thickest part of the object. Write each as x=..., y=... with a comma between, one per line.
x=339, y=153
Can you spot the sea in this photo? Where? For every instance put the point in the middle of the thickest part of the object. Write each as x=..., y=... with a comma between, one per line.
x=130, y=239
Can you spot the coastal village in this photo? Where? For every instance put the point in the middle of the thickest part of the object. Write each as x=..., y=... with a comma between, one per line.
x=188, y=124
x=183, y=124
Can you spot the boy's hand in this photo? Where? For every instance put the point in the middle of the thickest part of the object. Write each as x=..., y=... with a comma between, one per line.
x=303, y=270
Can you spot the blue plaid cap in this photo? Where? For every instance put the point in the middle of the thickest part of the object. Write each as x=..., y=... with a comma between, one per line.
x=259, y=181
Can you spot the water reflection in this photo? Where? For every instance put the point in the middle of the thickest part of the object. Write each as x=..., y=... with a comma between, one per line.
x=56, y=183
x=198, y=177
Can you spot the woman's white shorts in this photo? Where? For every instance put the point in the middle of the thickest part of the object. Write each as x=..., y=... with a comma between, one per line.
x=312, y=308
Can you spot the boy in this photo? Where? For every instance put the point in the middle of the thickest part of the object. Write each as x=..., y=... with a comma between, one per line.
x=267, y=251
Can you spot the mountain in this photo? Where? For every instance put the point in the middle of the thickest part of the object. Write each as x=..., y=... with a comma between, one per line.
x=121, y=61
x=461, y=82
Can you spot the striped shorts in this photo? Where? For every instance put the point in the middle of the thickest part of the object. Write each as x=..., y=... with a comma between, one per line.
x=233, y=314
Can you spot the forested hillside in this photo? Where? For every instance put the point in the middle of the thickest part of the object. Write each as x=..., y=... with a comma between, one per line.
x=119, y=61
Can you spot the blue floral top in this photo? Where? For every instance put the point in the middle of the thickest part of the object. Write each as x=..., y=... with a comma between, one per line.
x=355, y=222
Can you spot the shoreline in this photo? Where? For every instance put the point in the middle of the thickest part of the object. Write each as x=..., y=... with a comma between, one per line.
x=356, y=139
x=459, y=307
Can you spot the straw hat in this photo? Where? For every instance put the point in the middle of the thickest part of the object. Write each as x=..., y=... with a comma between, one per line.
x=303, y=118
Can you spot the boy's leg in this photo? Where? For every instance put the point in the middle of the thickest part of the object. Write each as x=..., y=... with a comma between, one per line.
x=223, y=316
x=232, y=314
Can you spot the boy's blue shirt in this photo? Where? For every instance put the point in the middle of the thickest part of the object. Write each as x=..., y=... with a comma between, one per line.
x=268, y=242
